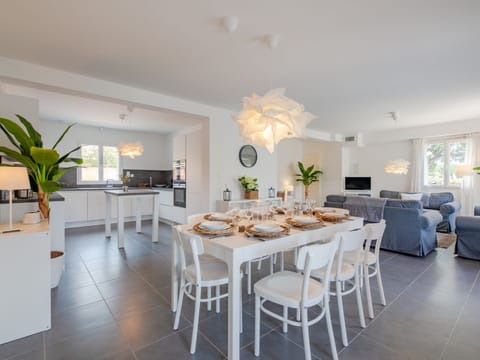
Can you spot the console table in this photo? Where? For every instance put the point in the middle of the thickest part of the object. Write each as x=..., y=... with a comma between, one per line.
x=224, y=206
x=121, y=196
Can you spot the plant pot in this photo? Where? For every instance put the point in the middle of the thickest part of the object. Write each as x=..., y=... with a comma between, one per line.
x=251, y=194
x=57, y=264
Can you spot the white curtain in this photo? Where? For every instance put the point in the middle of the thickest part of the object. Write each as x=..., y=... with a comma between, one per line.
x=417, y=165
x=471, y=184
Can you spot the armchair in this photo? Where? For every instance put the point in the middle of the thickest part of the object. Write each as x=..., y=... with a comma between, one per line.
x=468, y=235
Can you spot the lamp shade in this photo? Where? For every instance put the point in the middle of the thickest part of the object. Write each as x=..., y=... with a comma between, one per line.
x=267, y=120
x=463, y=170
x=398, y=166
x=14, y=178
x=131, y=149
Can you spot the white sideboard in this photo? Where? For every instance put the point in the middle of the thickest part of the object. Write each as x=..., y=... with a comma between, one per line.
x=24, y=281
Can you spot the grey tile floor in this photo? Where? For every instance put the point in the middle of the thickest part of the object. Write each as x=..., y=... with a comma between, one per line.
x=114, y=304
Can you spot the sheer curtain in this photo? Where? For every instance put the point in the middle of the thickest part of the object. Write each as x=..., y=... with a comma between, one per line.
x=471, y=184
x=417, y=165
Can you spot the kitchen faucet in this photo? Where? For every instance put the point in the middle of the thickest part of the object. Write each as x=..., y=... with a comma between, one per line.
x=150, y=181
x=108, y=183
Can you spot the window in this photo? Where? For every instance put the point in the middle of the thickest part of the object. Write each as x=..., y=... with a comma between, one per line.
x=100, y=163
x=441, y=159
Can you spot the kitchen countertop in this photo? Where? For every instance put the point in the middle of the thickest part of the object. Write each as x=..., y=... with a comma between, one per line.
x=83, y=188
x=131, y=192
x=34, y=199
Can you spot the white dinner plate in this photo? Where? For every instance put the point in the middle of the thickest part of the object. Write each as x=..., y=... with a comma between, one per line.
x=305, y=219
x=213, y=225
x=221, y=217
x=267, y=228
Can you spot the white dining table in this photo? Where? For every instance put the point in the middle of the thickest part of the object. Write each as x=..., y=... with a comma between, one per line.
x=238, y=249
x=121, y=197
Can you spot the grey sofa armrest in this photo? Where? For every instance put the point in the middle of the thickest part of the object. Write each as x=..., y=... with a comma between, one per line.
x=476, y=211
x=449, y=208
x=430, y=219
x=468, y=223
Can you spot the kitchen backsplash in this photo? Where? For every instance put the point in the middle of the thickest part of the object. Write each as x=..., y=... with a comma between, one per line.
x=140, y=177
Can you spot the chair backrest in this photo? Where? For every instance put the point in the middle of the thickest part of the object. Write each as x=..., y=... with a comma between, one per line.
x=374, y=232
x=316, y=257
x=189, y=244
x=351, y=242
x=195, y=218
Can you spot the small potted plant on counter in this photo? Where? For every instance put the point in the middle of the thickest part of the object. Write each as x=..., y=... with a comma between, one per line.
x=250, y=186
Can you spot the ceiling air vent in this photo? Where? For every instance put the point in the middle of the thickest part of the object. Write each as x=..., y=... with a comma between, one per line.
x=350, y=138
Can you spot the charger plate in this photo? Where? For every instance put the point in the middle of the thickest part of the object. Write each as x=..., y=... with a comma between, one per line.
x=333, y=217
x=218, y=217
x=251, y=232
x=293, y=222
x=227, y=231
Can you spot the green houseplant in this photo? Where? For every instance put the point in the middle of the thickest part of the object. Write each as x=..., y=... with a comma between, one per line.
x=477, y=169
x=250, y=185
x=43, y=163
x=307, y=176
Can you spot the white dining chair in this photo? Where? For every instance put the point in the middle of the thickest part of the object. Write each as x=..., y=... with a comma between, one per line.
x=299, y=291
x=203, y=272
x=370, y=262
x=345, y=271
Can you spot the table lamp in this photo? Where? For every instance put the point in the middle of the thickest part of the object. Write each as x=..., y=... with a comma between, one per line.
x=13, y=178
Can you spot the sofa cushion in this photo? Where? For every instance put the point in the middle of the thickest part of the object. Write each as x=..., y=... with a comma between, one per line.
x=336, y=198
x=437, y=199
x=405, y=204
x=390, y=194
x=411, y=196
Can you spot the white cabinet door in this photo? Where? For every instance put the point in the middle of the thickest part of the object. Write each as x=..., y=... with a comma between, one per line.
x=96, y=205
x=178, y=152
x=165, y=197
x=75, y=205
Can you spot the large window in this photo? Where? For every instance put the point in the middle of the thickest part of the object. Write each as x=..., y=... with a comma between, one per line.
x=100, y=163
x=441, y=159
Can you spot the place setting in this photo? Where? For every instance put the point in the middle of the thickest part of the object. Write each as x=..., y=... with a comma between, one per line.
x=304, y=222
x=214, y=228
x=264, y=231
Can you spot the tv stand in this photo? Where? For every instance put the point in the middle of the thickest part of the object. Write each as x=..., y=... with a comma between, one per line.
x=367, y=193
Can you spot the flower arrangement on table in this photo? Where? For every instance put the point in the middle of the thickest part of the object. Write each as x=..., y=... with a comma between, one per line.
x=250, y=185
x=125, y=180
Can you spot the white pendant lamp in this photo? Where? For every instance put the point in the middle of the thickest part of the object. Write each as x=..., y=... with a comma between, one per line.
x=267, y=120
x=131, y=149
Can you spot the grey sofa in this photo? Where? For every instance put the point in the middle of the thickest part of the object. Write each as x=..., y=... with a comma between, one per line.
x=409, y=230
x=442, y=202
x=468, y=236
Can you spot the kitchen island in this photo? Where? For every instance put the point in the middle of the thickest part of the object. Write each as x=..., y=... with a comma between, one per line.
x=121, y=197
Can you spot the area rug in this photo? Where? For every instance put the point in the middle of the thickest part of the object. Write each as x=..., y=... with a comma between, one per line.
x=445, y=240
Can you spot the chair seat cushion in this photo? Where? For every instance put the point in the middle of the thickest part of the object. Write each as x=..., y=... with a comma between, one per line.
x=213, y=272
x=285, y=288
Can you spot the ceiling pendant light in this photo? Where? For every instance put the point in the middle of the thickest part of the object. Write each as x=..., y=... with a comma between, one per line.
x=130, y=149
x=399, y=167
x=267, y=120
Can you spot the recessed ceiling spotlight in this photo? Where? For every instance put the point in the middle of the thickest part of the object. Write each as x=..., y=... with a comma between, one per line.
x=230, y=23
x=272, y=40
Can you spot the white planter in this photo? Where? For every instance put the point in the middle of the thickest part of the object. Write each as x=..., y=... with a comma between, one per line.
x=57, y=265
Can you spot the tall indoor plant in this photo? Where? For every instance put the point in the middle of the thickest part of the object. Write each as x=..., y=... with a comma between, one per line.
x=307, y=176
x=43, y=164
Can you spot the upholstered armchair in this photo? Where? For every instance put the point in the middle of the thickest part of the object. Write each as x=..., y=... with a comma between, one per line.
x=468, y=235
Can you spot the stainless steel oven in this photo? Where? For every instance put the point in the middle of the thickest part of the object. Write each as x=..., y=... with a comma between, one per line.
x=179, y=183
x=180, y=197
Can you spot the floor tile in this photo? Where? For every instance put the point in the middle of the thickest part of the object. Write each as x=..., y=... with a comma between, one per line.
x=21, y=346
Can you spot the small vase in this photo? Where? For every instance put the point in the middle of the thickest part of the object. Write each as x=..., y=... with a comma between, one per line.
x=125, y=188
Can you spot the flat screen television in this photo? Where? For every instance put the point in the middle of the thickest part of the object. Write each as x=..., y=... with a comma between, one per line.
x=358, y=183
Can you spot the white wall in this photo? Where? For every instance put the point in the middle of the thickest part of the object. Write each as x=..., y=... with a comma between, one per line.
x=10, y=105
x=370, y=160
x=157, y=153
x=289, y=152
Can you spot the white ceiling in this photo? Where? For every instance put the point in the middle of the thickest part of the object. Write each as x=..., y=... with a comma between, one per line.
x=349, y=62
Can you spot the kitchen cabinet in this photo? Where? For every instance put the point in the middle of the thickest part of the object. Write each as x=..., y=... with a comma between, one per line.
x=76, y=205
x=179, y=147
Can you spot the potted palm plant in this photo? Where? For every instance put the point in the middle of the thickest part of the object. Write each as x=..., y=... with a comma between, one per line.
x=44, y=170
x=307, y=176
x=250, y=186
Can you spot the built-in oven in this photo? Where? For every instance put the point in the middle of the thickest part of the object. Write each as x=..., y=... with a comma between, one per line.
x=179, y=179
x=180, y=197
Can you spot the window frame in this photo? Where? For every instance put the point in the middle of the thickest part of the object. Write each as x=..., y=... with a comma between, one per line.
x=100, y=167
x=446, y=161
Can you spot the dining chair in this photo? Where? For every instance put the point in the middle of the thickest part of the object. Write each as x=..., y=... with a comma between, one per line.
x=371, y=261
x=201, y=273
x=294, y=290
x=346, y=270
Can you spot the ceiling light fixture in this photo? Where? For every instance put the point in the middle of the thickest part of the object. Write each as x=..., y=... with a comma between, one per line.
x=399, y=167
x=267, y=120
x=130, y=149
x=230, y=23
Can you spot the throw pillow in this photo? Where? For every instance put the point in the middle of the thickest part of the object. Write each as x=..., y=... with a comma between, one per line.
x=415, y=196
